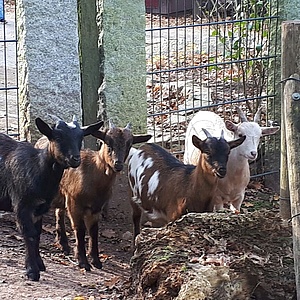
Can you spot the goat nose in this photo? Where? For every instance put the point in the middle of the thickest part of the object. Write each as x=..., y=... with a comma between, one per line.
x=75, y=160
x=222, y=172
x=253, y=154
x=75, y=157
x=118, y=166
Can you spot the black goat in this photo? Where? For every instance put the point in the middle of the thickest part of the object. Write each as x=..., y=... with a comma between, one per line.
x=29, y=180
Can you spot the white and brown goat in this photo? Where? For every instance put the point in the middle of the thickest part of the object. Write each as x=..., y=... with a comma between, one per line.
x=164, y=188
x=231, y=188
x=86, y=191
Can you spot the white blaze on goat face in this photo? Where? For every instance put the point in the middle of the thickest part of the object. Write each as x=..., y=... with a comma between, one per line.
x=71, y=125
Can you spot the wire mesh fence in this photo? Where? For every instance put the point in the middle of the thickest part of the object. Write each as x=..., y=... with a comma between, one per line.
x=211, y=55
x=9, y=105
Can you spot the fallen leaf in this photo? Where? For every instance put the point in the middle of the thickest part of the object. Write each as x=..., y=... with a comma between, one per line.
x=248, y=204
x=112, y=281
x=255, y=185
x=79, y=298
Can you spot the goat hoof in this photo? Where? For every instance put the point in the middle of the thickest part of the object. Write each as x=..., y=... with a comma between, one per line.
x=33, y=276
x=86, y=266
x=97, y=264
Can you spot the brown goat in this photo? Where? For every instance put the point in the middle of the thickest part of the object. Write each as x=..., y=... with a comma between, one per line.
x=164, y=188
x=86, y=191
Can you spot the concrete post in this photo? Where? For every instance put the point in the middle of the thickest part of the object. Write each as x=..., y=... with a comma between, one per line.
x=122, y=94
x=48, y=62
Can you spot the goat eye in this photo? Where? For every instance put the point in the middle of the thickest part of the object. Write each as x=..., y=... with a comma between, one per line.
x=110, y=148
x=241, y=135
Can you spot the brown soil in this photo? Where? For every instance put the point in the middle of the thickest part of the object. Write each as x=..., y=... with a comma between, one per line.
x=63, y=279
x=162, y=255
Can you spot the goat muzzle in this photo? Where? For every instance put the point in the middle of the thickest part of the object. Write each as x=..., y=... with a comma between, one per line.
x=74, y=161
x=118, y=166
x=221, y=172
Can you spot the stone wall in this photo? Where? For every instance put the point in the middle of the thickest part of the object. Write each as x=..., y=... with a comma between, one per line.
x=48, y=62
x=122, y=94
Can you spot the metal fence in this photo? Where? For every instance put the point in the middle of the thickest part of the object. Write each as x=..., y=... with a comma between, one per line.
x=211, y=55
x=9, y=106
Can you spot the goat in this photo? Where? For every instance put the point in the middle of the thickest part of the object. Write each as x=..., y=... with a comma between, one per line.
x=86, y=190
x=29, y=180
x=231, y=188
x=164, y=188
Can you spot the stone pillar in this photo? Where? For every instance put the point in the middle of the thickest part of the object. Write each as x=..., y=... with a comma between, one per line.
x=122, y=94
x=48, y=62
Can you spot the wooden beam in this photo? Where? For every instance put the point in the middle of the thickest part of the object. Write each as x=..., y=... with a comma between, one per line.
x=290, y=64
x=291, y=114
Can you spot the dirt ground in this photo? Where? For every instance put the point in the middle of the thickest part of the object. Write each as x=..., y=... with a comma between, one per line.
x=62, y=278
x=118, y=279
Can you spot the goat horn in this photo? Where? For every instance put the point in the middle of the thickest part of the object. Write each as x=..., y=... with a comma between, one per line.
x=74, y=119
x=257, y=115
x=222, y=134
x=128, y=126
x=206, y=132
x=54, y=118
x=111, y=124
x=241, y=114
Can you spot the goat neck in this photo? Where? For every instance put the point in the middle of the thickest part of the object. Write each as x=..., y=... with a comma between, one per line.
x=105, y=161
x=203, y=185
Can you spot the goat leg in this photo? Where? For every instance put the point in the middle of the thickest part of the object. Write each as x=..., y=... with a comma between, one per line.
x=80, y=252
x=136, y=218
x=61, y=236
x=31, y=235
x=92, y=226
x=38, y=227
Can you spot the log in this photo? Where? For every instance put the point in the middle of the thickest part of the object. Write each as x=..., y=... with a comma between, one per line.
x=292, y=131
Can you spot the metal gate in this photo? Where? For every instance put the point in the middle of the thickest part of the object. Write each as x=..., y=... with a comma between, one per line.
x=212, y=55
x=9, y=106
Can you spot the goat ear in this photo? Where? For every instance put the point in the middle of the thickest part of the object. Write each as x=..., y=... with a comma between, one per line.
x=44, y=128
x=90, y=129
x=230, y=126
x=269, y=130
x=137, y=139
x=197, y=142
x=99, y=135
x=235, y=143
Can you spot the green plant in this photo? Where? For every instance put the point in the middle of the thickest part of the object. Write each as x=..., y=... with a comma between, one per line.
x=244, y=40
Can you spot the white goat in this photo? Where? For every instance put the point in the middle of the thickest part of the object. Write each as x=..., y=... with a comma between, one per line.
x=231, y=188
